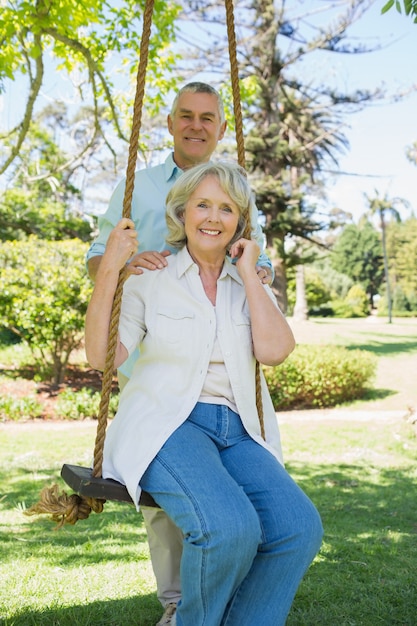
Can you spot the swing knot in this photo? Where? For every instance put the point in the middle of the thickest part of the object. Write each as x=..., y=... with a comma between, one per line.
x=64, y=508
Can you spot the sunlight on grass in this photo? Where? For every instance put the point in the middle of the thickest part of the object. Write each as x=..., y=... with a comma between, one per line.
x=361, y=475
x=358, y=465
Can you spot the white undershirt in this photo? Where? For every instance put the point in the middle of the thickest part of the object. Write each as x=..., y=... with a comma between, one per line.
x=217, y=388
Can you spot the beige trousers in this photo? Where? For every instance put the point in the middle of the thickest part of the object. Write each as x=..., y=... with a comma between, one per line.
x=165, y=545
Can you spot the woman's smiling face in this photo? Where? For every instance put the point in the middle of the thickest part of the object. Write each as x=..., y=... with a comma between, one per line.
x=210, y=218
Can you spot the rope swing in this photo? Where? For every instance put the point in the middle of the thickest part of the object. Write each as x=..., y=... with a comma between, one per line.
x=91, y=489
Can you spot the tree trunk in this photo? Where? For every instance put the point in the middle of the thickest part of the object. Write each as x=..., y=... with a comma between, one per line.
x=384, y=251
x=300, y=309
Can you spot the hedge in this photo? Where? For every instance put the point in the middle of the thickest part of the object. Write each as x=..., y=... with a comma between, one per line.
x=320, y=376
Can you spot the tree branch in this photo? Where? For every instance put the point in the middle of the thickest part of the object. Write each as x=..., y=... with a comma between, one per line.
x=35, y=85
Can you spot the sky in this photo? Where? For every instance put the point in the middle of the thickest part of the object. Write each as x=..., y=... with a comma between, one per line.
x=379, y=134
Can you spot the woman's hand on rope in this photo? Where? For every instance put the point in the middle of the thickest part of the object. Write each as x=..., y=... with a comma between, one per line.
x=122, y=243
x=150, y=260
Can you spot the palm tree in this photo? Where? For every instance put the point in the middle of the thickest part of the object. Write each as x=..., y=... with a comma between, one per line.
x=381, y=207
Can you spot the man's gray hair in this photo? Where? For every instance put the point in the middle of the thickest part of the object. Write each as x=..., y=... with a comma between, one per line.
x=197, y=87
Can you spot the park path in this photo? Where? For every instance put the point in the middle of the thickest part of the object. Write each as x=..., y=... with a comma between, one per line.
x=308, y=415
x=344, y=414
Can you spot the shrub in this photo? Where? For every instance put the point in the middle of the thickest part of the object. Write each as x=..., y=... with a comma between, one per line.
x=44, y=296
x=320, y=376
x=358, y=300
x=82, y=404
x=324, y=310
x=23, y=408
x=344, y=309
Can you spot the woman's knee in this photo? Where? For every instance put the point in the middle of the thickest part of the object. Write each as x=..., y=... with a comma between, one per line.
x=307, y=529
x=237, y=530
x=295, y=520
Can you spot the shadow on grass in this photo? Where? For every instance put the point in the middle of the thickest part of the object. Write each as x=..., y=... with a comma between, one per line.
x=383, y=347
x=119, y=524
x=363, y=576
x=367, y=497
x=141, y=610
x=375, y=394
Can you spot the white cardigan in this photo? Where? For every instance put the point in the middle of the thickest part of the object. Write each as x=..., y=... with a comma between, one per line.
x=167, y=312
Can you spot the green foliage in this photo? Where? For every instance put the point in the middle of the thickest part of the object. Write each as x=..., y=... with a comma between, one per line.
x=317, y=292
x=83, y=403
x=324, y=310
x=338, y=308
x=95, y=40
x=358, y=300
x=345, y=309
x=358, y=254
x=320, y=376
x=23, y=212
x=44, y=297
x=337, y=283
x=403, y=305
x=41, y=197
x=23, y=408
x=410, y=7
x=402, y=256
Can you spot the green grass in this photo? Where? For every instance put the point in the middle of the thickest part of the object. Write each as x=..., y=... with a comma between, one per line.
x=97, y=572
x=360, y=473
x=359, y=467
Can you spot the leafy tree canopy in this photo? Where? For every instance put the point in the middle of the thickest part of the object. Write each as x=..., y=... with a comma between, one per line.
x=44, y=191
x=402, y=255
x=358, y=254
x=91, y=40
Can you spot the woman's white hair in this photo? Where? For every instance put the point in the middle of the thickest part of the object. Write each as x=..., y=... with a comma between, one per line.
x=232, y=179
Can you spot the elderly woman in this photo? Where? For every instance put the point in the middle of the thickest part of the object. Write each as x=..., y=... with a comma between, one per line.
x=187, y=429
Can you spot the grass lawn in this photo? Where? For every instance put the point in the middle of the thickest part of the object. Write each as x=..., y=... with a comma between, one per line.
x=359, y=468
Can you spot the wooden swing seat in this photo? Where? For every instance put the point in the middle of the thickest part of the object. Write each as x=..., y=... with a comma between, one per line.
x=82, y=481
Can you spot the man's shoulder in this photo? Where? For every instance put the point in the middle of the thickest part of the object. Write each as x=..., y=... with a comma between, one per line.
x=162, y=171
x=150, y=172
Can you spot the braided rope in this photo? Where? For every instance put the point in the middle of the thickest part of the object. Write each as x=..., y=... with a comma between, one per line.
x=127, y=202
x=234, y=72
x=64, y=508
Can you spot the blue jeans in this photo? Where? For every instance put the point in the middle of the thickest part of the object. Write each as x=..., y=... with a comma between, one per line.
x=250, y=532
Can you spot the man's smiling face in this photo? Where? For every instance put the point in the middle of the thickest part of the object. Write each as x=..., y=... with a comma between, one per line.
x=196, y=128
